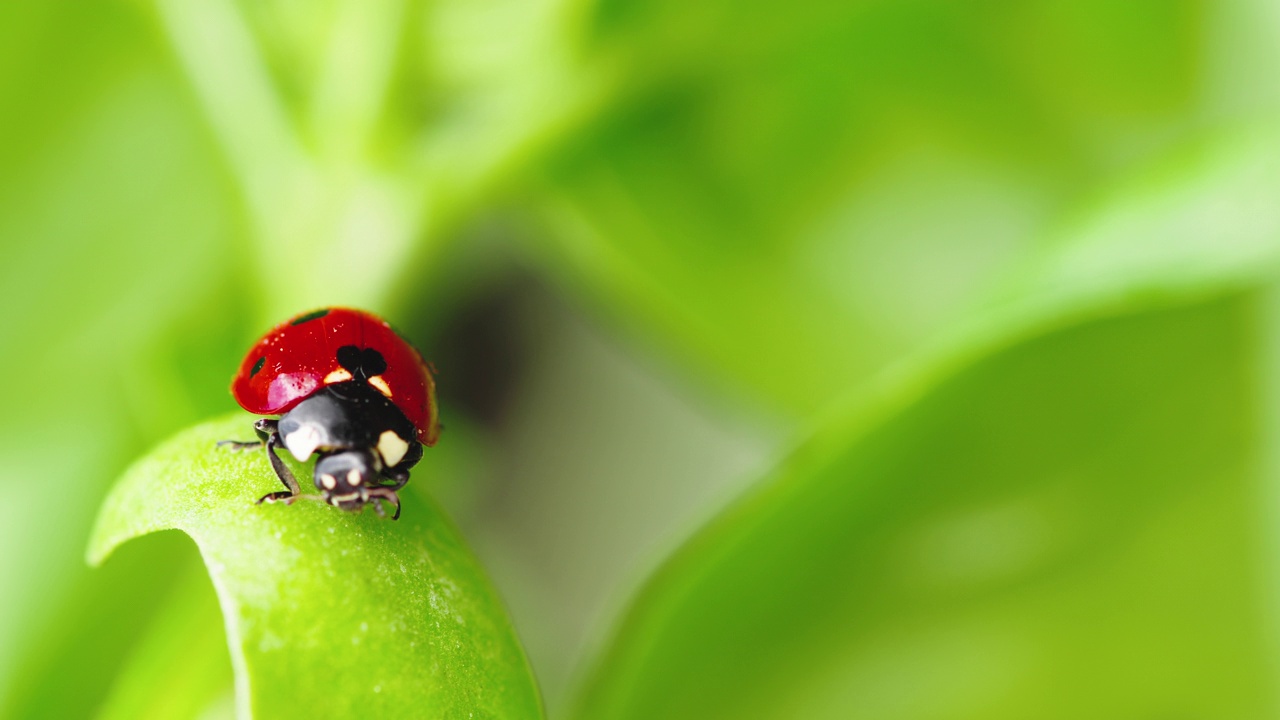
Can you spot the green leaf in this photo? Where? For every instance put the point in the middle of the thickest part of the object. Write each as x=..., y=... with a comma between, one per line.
x=370, y=130
x=1067, y=527
x=328, y=614
x=179, y=668
x=122, y=276
x=798, y=196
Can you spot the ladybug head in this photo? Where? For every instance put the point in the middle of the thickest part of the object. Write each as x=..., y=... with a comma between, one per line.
x=362, y=363
x=343, y=475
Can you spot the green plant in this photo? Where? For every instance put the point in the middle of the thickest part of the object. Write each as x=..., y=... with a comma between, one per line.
x=996, y=283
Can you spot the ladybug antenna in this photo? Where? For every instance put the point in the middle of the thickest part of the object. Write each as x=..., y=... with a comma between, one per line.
x=361, y=363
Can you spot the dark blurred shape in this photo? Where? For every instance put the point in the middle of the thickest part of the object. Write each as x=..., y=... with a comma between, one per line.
x=473, y=320
x=479, y=348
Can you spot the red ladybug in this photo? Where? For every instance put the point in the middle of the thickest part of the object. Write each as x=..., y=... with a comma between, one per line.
x=348, y=388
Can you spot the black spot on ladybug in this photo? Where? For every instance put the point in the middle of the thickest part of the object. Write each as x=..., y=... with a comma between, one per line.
x=349, y=358
x=257, y=367
x=310, y=316
x=372, y=362
x=362, y=363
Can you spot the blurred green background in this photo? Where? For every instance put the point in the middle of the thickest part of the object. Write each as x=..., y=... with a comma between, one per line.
x=908, y=359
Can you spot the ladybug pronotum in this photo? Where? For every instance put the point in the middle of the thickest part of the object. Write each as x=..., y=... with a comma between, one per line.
x=348, y=389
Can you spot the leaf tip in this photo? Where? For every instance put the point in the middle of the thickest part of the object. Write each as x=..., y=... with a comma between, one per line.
x=108, y=530
x=141, y=502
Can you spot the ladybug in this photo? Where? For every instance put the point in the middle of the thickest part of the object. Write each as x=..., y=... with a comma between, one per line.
x=347, y=388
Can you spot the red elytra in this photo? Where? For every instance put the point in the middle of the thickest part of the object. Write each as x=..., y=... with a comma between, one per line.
x=299, y=356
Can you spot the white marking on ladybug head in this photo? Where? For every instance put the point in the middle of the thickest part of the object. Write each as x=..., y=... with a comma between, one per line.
x=328, y=481
x=337, y=376
x=302, y=442
x=392, y=448
x=381, y=384
x=353, y=477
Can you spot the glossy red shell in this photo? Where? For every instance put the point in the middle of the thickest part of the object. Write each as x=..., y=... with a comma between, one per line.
x=300, y=356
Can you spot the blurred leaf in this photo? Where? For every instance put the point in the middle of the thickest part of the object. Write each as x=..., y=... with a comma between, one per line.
x=367, y=129
x=86, y=630
x=1199, y=221
x=329, y=614
x=1061, y=471
x=1200, y=217
x=180, y=668
x=120, y=278
x=1063, y=529
x=802, y=193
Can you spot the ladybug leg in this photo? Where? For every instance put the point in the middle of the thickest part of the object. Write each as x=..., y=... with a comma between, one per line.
x=263, y=427
x=269, y=435
x=288, y=498
x=292, y=498
x=398, y=478
x=384, y=493
x=412, y=456
x=282, y=471
x=284, y=495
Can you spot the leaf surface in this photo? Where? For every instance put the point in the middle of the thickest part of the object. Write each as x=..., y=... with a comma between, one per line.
x=798, y=197
x=1065, y=527
x=328, y=614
